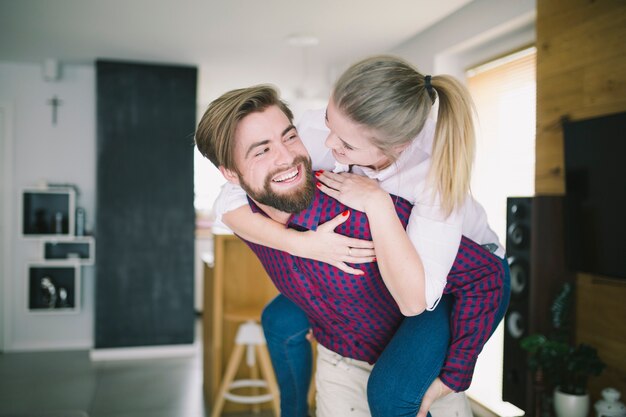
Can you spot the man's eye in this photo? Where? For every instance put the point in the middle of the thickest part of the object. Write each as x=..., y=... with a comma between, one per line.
x=291, y=137
x=262, y=151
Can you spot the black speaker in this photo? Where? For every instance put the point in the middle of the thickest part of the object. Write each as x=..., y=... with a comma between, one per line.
x=535, y=250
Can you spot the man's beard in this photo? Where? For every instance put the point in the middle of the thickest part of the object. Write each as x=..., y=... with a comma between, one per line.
x=292, y=202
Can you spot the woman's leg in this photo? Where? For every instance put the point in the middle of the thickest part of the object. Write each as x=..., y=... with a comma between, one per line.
x=414, y=357
x=410, y=363
x=285, y=326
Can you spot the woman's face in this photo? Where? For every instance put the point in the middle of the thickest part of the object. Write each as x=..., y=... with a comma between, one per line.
x=351, y=142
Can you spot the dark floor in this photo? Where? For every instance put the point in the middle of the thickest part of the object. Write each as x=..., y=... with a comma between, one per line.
x=69, y=384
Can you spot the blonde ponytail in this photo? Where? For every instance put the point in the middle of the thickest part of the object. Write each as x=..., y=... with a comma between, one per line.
x=391, y=97
x=454, y=145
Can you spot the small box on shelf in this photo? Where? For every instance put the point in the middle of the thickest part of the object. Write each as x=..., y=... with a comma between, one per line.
x=80, y=249
x=48, y=212
x=53, y=288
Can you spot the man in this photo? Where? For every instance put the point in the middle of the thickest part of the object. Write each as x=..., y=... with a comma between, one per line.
x=248, y=134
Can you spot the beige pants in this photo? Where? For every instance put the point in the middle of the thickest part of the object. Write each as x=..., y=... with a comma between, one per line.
x=341, y=385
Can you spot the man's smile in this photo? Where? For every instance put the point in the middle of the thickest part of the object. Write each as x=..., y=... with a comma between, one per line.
x=289, y=176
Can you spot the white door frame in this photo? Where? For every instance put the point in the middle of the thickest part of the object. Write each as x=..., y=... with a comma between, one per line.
x=6, y=244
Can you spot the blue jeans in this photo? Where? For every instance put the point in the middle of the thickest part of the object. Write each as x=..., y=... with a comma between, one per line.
x=402, y=374
x=285, y=326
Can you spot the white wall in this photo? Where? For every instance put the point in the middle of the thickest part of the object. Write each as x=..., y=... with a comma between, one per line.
x=495, y=26
x=65, y=153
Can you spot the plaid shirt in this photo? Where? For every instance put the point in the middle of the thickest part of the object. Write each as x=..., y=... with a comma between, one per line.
x=356, y=316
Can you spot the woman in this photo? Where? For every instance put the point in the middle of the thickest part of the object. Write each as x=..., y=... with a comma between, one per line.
x=380, y=140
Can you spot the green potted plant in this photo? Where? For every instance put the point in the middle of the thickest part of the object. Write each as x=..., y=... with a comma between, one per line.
x=564, y=366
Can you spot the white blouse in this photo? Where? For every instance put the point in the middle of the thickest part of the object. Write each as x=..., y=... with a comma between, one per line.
x=435, y=236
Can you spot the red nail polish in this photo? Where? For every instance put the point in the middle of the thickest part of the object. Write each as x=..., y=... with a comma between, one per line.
x=317, y=173
x=345, y=213
x=374, y=260
x=318, y=184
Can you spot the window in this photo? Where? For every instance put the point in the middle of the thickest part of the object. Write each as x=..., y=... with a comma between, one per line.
x=504, y=93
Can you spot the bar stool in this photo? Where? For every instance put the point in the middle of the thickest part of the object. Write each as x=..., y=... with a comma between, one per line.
x=249, y=338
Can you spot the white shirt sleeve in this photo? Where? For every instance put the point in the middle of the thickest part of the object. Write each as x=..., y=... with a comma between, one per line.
x=230, y=198
x=313, y=132
x=476, y=226
x=437, y=241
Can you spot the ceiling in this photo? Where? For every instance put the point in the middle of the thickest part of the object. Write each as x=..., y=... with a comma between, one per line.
x=233, y=42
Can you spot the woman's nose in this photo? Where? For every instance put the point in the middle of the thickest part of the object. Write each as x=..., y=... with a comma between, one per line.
x=331, y=141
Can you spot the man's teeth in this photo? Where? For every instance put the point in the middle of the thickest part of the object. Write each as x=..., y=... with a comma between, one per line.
x=287, y=176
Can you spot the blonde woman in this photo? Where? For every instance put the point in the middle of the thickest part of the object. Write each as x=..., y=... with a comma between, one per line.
x=378, y=136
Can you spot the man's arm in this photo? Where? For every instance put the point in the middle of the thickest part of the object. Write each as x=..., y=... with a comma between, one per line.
x=478, y=295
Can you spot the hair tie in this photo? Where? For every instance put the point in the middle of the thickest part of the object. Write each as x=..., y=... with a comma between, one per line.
x=428, y=85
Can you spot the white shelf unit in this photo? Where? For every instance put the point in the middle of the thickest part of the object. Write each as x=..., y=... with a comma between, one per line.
x=48, y=218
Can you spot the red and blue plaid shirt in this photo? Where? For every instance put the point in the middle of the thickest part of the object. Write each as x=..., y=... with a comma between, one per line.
x=356, y=316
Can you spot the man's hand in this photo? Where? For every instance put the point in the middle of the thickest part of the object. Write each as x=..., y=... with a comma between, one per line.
x=436, y=390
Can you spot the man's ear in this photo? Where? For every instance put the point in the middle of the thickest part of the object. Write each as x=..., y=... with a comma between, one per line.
x=230, y=175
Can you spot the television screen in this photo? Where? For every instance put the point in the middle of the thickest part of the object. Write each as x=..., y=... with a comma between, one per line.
x=595, y=202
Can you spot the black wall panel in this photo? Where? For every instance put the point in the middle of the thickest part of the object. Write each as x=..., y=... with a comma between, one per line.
x=145, y=216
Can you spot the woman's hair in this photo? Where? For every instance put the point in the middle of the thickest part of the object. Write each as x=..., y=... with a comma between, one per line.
x=216, y=130
x=389, y=96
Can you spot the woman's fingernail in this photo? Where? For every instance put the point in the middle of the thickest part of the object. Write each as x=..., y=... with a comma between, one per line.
x=345, y=213
x=317, y=173
x=374, y=260
x=318, y=184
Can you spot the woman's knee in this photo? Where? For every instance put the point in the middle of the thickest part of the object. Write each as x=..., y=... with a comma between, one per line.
x=389, y=398
x=379, y=395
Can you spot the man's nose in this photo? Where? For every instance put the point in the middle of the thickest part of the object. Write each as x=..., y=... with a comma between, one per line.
x=284, y=155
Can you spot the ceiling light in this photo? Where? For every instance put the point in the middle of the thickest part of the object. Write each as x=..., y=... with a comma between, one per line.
x=302, y=40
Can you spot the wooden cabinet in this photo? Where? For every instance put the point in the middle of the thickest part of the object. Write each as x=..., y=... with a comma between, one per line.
x=235, y=287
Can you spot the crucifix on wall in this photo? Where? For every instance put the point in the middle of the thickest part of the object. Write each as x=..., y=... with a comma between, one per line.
x=55, y=102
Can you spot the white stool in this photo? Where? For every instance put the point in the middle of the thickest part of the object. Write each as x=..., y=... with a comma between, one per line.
x=250, y=337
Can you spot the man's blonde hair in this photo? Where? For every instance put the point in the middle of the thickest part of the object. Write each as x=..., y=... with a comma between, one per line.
x=216, y=130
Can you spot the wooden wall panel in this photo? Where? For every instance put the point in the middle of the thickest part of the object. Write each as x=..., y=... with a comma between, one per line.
x=581, y=73
x=600, y=315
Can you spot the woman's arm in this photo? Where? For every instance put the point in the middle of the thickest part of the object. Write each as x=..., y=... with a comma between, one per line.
x=399, y=262
x=322, y=245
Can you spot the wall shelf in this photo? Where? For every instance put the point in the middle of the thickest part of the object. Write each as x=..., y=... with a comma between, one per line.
x=48, y=212
x=53, y=279
x=53, y=288
x=80, y=249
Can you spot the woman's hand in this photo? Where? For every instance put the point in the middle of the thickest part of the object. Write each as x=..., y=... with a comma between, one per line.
x=355, y=191
x=436, y=390
x=332, y=248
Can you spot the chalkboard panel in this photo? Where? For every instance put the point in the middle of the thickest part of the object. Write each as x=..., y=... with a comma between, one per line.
x=145, y=217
